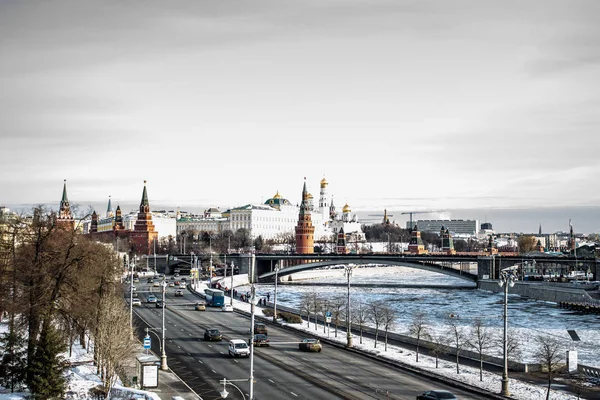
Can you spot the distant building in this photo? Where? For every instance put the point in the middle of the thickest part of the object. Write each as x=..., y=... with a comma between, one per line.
x=454, y=226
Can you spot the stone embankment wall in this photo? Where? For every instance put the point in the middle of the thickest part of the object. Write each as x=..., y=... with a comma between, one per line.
x=542, y=291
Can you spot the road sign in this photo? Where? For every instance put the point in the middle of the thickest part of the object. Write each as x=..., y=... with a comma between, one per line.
x=147, y=342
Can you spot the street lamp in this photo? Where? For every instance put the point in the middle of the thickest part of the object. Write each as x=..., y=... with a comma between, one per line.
x=507, y=278
x=163, y=355
x=224, y=393
x=277, y=268
x=348, y=272
x=231, y=299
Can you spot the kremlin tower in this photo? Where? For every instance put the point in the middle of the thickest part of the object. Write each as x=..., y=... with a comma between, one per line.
x=305, y=230
x=64, y=218
x=143, y=234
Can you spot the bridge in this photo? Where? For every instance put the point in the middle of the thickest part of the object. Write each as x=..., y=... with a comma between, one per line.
x=469, y=267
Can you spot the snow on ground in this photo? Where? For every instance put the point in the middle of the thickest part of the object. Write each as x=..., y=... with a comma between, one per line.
x=82, y=378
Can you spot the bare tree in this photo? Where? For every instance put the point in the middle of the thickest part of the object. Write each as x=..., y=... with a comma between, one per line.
x=438, y=346
x=324, y=308
x=305, y=306
x=375, y=316
x=418, y=328
x=359, y=317
x=388, y=319
x=457, y=337
x=548, y=354
x=315, y=305
x=338, y=305
x=481, y=340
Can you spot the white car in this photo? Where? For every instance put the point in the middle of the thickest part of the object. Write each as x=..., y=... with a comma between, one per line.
x=136, y=302
x=239, y=347
x=152, y=299
x=227, y=308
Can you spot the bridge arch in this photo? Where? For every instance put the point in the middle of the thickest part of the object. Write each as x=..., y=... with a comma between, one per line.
x=425, y=266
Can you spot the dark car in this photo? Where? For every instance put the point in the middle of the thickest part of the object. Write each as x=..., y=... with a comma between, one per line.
x=310, y=345
x=260, y=328
x=436, y=395
x=212, y=334
x=261, y=340
x=159, y=304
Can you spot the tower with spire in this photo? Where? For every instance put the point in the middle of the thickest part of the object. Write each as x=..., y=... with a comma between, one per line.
x=143, y=234
x=416, y=245
x=64, y=218
x=305, y=230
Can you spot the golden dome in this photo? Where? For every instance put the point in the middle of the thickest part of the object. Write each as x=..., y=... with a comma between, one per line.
x=323, y=183
x=346, y=209
x=310, y=196
x=277, y=195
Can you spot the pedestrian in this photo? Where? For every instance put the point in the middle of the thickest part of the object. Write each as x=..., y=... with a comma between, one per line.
x=268, y=297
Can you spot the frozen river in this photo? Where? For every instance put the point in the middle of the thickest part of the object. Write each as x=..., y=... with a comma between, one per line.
x=529, y=318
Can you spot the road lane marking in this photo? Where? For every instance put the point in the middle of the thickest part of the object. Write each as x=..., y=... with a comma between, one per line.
x=294, y=394
x=271, y=381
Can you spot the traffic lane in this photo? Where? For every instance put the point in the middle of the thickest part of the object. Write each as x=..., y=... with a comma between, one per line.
x=192, y=358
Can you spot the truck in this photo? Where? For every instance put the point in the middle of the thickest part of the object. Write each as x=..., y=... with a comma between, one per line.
x=214, y=297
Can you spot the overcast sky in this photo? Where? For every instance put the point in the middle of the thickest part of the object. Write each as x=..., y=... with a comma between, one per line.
x=398, y=104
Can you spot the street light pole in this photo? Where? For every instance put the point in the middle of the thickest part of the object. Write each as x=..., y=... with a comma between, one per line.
x=163, y=355
x=348, y=271
x=507, y=278
x=225, y=393
x=275, y=295
x=231, y=299
x=131, y=298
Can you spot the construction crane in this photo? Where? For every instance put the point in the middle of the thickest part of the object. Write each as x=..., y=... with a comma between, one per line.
x=418, y=212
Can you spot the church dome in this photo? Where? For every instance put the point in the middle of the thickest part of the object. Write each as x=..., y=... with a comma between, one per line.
x=277, y=201
x=346, y=209
x=323, y=183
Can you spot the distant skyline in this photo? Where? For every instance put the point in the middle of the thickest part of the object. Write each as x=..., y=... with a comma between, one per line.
x=405, y=105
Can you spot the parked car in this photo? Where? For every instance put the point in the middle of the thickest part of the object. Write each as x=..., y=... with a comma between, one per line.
x=200, y=307
x=179, y=292
x=151, y=299
x=310, y=345
x=227, y=308
x=261, y=340
x=136, y=302
x=436, y=395
x=212, y=334
x=239, y=348
x=260, y=328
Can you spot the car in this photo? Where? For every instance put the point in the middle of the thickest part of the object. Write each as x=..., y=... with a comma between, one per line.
x=179, y=292
x=200, y=307
x=227, y=308
x=136, y=280
x=156, y=284
x=260, y=328
x=261, y=340
x=436, y=395
x=239, y=348
x=171, y=284
x=133, y=288
x=159, y=304
x=151, y=299
x=136, y=302
x=212, y=334
x=310, y=345
x=150, y=280
x=182, y=285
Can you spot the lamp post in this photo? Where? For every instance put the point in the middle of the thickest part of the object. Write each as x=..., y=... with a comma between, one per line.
x=163, y=355
x=507, y=278
x=348, y=272
x=277, y=268
x=231, y=299
x=224, y=393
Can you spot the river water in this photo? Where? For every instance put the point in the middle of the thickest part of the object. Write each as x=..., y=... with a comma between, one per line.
x=527, y=318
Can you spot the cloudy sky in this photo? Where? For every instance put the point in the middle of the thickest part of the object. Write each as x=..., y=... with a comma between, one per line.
x=398, y=104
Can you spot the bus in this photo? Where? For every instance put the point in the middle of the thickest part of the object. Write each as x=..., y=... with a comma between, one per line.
x=214, y=297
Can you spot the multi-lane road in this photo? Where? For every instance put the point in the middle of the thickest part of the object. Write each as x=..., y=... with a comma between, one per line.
x=281, y=371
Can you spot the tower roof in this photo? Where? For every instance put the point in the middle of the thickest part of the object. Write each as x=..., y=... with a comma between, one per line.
x=64, y=194
x=145, y=201
x=323, y=183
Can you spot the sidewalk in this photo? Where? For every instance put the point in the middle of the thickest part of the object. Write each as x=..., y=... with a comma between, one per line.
x=170, y=386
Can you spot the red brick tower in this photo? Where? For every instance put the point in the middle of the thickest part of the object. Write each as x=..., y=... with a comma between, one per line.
x=341, y=242
x=305, y=231
x=64, y=218
x=143, y=233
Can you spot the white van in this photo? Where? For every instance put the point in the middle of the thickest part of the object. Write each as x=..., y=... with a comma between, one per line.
x=239, y=347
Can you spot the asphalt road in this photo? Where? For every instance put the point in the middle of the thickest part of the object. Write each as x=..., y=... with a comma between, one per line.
x=281, y=371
